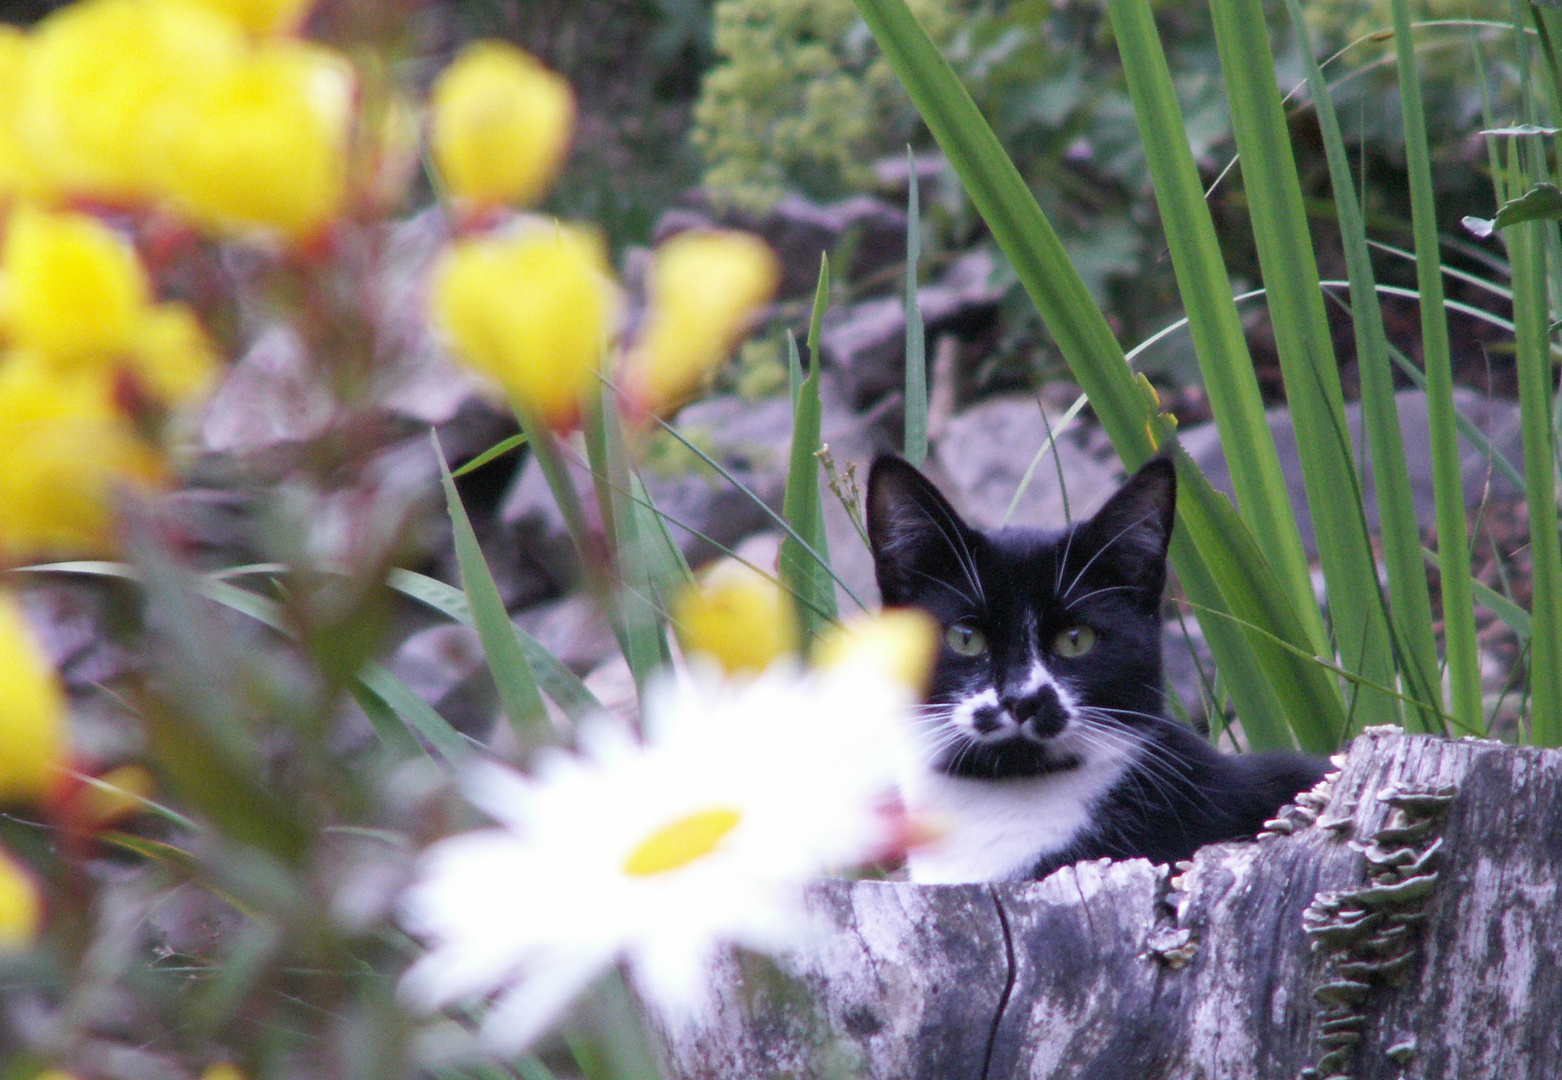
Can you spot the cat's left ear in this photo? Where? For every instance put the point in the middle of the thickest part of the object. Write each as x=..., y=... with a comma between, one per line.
x=1131, y=532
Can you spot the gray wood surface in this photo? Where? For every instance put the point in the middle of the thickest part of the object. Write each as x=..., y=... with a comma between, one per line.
x=1405, y=924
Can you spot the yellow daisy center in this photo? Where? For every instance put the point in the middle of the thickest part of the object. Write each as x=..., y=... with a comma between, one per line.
x=681, y=842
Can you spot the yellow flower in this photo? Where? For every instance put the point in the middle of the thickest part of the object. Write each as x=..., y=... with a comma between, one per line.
x=224, y=1070
x=19, y=175
x=101, y=75
x=21, y=908
x=705, y=288
x=501, y=125
x=263, y=143
x=32, y=712
x=70, y=288
x=64, y=448
x=263, y=16
x=737, y=617
x=534, y=312
x=898, y=643
x=172, y=356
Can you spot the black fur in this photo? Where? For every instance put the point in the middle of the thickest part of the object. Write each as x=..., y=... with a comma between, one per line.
x=1021, y=589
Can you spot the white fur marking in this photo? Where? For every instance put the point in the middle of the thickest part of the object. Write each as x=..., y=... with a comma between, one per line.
x=997, y=830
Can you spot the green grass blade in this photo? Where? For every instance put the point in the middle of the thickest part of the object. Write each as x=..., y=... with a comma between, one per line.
x=1213, y=321
x=804, y=573
x=512, y=674
x=498, y=450
x=417, y=714
x=916, y=335
x=554, y=678
x=639, y=609
x=1535, y=377
x=1464, y=676
x=1410, y=605
x=1215, y=568
x=1301, y=332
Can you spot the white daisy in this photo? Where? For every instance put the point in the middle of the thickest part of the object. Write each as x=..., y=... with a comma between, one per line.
x=658, y=853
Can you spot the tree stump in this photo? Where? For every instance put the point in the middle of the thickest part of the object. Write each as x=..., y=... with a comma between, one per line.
x=1403, y=923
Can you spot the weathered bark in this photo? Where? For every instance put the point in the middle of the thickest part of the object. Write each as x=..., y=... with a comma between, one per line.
x=1439, y=961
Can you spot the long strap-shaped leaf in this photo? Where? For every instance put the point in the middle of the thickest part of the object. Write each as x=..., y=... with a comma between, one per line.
x=1301, y=330
x=805, y=572
x=1218, y=572
x=1464, y=676
x=1410, y=606
x=1213, y=321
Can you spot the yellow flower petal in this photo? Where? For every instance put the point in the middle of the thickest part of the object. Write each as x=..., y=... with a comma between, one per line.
x=70, y=288
x=501, y=125
x=534, y=312
x=682, y=842
x=737, y=617
x=100, y=76
x=263, y=144
x=32, y=712
x=20, y=176
x=64, y=448
x=21, y=906
x=172, y=355
x=263, y=16
x=705, y=288
x=897, y=643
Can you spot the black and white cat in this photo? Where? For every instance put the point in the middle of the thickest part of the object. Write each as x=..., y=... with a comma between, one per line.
x=1043, y=741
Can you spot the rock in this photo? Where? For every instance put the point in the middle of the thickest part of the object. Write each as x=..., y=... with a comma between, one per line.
x=865, y=343
x=800, y=231
x=1498, y=420
x=986, y=450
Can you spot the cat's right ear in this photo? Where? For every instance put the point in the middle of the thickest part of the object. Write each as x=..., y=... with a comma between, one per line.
x=918, y=539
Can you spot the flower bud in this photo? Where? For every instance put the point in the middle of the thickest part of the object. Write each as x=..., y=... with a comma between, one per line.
x=64, y=448
x=32, y=712
x=20, y=176
x=899, y=644
x=705, y=288
x=263, y=16
x=70, y=288
x=101, y=76
x=534, y=312
x=501, y=125
x=264, y=143
x=737, y=617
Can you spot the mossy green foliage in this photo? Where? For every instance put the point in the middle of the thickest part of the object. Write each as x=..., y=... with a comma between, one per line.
x=803, y=99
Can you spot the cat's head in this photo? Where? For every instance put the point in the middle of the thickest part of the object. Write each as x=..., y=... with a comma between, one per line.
x=1051, y=648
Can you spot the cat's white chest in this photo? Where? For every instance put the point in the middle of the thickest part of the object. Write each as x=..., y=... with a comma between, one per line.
x=997, y=830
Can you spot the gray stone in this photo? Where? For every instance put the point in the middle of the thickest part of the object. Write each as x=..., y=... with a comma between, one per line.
x=865, y=343
x=985, y=451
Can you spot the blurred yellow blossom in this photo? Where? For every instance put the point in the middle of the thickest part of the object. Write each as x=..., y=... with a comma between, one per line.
x=705, y=289
x=21, y=907
x=64, y=448
x=32, y=712
x=534, y=311
x=101, y=76
x=263, y=143
x=898, y=643
x=501, y=125
x=70, y=288
x=263, y=16
x=223, y=1070
x=172, y=356
x=19, y=175
x=736, y=616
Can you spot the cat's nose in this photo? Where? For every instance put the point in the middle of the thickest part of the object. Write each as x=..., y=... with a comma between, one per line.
x=1041, y=712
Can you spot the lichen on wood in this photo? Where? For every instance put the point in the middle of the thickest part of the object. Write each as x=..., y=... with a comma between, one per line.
x=1442, y=961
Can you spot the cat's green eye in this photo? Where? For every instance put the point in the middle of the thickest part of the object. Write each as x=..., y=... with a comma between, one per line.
x=965, y=639
x=1074, y=642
